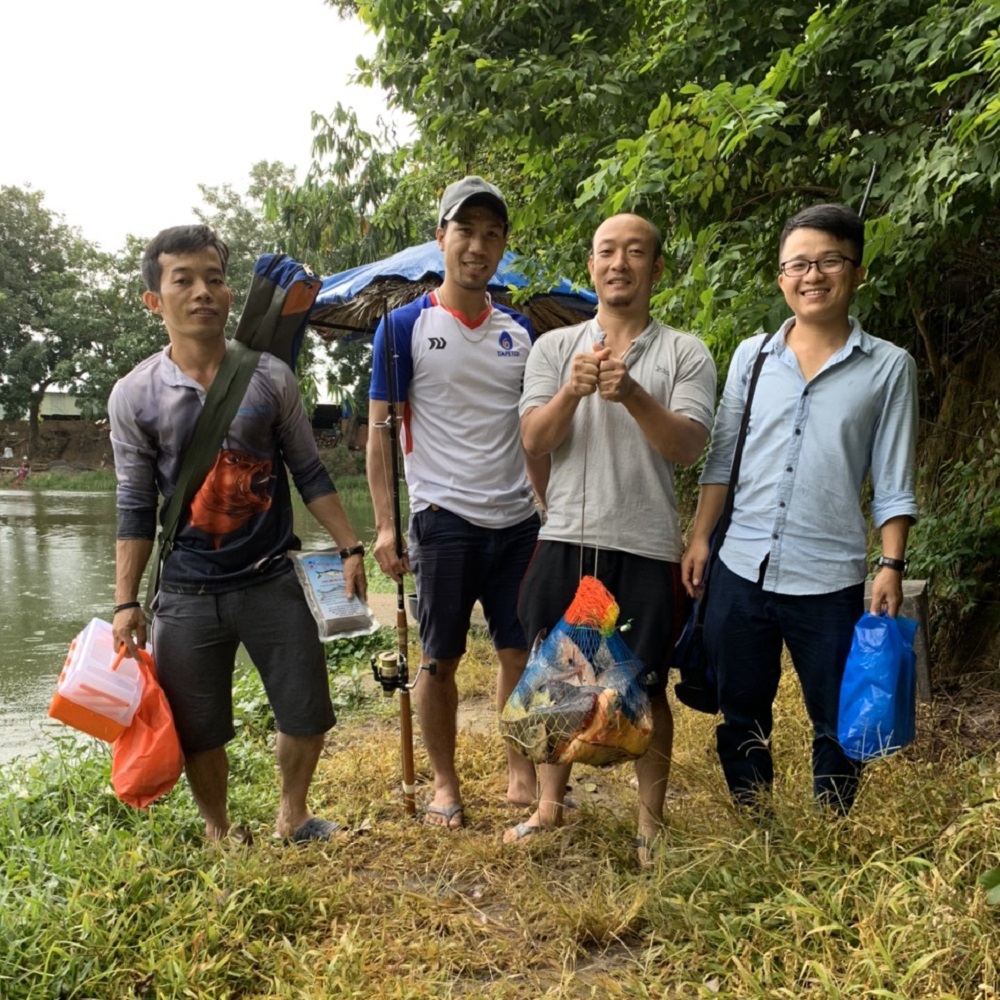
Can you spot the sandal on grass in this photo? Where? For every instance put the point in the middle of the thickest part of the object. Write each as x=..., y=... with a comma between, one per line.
x=313, y=829
x=647, y=849
x=447, y=813
x=522, y=831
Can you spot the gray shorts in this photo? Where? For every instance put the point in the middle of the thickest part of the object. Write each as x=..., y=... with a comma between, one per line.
x=195, y=638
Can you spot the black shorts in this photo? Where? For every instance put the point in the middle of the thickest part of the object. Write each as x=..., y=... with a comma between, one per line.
x=457, y=563
x=195, y=638
x=648, y=592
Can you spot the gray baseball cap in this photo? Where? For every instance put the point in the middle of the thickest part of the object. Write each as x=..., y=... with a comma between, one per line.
x=457, y=194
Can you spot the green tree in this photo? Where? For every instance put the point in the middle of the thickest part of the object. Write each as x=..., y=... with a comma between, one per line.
x=44, y=270
x=123, y=330
x=718, y=120
x=360, y=201
x=240, y=219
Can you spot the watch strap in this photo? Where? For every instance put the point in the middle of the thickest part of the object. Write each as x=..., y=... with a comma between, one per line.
x=897, y=564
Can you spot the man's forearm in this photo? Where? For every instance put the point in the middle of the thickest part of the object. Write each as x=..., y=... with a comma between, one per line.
x=545, y=427
x=711, y=500
x=131, y=556
x=538, y=470
x=894, y=534
x=677, y=438
x=378, y=465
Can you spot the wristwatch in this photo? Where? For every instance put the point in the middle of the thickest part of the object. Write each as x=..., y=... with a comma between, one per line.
x=899, y=565
x=356, y=550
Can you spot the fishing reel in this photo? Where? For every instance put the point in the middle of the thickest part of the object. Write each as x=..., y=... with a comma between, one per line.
x=390, y=670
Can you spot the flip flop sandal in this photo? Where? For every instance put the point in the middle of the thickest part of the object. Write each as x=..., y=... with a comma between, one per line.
x=524, y=831
x=448, y=813
x=313, y=829
x=646, y=851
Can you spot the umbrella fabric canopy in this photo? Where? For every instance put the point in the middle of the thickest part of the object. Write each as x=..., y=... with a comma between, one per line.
x=355, y=300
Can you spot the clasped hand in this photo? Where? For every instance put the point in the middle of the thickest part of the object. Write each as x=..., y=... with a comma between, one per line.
x=601, y=373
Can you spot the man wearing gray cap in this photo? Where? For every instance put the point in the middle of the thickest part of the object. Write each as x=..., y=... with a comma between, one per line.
x=458, y=366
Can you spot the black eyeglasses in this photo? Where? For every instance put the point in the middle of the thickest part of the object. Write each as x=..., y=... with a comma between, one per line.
x=831, y=264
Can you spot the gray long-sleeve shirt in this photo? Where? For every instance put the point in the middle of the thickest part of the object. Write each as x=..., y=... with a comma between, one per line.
x=239, y=524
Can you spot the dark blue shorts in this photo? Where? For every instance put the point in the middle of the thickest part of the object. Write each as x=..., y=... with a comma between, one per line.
x=195, y=638
x=457, y=563
x=648, y=592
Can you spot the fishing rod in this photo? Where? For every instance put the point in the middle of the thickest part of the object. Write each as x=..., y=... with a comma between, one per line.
x=391, y=667
x=868, y=191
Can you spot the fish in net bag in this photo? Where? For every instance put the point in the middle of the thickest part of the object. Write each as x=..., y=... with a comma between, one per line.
x=580, y=700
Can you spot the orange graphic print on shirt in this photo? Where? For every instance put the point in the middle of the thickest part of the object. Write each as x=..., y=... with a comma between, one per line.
x=233, y=492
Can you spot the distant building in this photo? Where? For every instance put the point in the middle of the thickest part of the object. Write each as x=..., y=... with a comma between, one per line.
x=56, y=405
x=59, y=405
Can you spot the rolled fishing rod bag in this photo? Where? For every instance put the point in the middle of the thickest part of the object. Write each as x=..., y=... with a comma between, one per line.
x=276, y=311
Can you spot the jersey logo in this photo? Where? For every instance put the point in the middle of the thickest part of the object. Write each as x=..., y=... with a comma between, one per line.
x=506, y=343
x=437, y=343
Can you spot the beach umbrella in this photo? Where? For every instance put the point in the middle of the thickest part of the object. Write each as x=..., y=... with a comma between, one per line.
x=354, y=301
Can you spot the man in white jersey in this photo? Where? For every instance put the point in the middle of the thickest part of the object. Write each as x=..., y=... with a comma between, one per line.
x=458, y=367
x=616, y=402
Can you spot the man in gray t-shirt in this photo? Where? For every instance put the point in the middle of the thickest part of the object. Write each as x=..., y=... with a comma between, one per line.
x=227, y=580
x=616, y=402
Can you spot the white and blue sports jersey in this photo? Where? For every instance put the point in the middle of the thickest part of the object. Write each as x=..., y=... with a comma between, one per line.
x=460, y=387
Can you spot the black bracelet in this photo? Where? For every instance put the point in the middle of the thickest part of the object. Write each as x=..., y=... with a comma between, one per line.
x=124, y=607
x=357, y=550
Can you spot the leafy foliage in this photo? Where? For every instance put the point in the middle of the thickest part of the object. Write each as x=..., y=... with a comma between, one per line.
x=240, y=220
x=101, y=901
x=718, y=121
x=44, y=271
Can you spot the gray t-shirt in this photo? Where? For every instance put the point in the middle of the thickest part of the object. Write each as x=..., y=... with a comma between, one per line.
x=608, y=486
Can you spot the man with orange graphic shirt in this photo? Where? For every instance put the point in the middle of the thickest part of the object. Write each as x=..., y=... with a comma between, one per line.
x=227, y=579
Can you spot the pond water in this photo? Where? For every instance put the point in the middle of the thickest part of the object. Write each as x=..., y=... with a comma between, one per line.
x=57, y=554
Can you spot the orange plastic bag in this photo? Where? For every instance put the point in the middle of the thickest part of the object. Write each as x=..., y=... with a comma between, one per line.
x=146, y=759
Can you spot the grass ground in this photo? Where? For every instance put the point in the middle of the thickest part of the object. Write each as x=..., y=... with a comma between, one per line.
x=100, y=901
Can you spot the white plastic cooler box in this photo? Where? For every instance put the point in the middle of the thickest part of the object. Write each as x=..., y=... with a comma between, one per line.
x=99, y=688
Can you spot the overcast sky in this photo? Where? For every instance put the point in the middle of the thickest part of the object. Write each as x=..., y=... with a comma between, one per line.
x=118, y=109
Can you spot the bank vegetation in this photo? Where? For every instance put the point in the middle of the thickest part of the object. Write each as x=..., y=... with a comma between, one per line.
x=101, y=902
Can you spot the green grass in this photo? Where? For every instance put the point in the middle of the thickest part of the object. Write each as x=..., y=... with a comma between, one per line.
x=86, y=480
x=100, y=901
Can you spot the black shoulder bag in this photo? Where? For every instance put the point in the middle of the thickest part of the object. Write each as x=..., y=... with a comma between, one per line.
x=697, y=687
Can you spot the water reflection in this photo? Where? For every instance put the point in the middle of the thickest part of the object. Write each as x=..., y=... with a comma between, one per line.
x=56, y=573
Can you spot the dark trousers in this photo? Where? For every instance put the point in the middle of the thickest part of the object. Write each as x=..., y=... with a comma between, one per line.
x=744, y=630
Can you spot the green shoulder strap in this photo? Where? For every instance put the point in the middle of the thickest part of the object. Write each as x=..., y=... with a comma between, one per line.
x=221, y=403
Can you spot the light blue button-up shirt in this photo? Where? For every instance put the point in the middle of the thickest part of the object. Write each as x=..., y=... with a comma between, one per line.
x=808, y=449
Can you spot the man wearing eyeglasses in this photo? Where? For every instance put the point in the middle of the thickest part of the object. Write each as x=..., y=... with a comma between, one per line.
x=833, y=404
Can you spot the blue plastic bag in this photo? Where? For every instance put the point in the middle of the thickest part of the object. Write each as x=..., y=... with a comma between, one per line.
x=878, y=693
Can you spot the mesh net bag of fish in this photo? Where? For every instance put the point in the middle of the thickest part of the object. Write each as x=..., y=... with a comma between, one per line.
x=579, y=700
